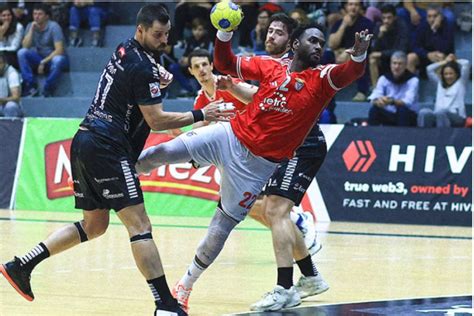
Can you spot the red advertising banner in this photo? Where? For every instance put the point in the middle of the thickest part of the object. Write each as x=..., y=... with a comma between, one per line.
x=180, y=179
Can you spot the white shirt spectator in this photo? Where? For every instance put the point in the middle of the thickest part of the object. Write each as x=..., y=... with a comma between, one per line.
x=452, y=98
x=13, y=42
x=10, y=80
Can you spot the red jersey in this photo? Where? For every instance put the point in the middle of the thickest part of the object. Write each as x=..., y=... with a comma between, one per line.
x=287, y=104
x=203, y=99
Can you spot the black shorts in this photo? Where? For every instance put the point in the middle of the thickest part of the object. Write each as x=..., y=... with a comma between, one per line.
x=104, y=176
x=291, y=179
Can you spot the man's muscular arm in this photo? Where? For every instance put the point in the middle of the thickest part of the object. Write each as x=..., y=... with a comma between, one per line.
x=244, y=92
x=342, y=75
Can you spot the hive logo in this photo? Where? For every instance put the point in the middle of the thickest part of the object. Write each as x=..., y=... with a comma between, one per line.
x=359, y=156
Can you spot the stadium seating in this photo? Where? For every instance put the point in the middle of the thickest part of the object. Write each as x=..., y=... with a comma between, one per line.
x=77, y=87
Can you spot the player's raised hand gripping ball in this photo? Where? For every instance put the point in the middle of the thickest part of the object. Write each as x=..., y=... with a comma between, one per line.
x=226, y=16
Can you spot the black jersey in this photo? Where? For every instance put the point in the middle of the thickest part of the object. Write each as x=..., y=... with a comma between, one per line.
x=130, y=78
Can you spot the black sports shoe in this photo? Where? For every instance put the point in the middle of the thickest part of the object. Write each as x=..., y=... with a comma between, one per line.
x=163, y=310
x=18, y=277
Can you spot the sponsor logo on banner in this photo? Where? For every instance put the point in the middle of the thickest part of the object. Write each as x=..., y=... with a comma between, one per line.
x=58, y=169
x=181, y=179
x=395, y=175
x=359, y=156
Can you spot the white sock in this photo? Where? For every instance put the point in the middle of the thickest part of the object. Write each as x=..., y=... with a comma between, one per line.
x=192, y=275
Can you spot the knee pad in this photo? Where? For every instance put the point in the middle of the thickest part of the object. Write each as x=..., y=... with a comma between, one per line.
x=141, y=237
x=217, y=234
x=81, y=231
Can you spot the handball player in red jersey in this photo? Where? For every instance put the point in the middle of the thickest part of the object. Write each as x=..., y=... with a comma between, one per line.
x=246, y=150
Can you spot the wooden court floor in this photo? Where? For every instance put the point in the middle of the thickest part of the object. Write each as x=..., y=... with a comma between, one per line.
x=361, y=262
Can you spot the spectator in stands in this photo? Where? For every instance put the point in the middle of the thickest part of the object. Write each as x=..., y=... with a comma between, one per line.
x=434, y=41
x=395, y=97
x=257, y=35
x=322, y=12
x=300, y=16
x=59, y=12
x=94, y=12
x=449, y=108
x=373, y=12
x=186, y=11
x=414, y=13
x=199, y=40
x=43, y=52
x=22, y=10
x=272, y=6
x=390, y=36
x=342, y=38
x=250, y=11
x=11, y=34
x=9, y=89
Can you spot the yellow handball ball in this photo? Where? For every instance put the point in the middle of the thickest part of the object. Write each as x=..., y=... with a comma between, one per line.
x=226, y=16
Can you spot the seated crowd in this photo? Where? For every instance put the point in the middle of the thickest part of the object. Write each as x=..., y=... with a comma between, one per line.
x=33, y=42
x=413, y=40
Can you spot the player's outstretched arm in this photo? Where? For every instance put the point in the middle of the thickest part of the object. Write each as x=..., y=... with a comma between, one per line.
x=225, y=60
x=361, y=44
x=244, y=92
x=160, y=120
x=344, y=74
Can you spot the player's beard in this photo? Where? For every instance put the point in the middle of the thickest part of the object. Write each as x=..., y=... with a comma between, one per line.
x=274, y=49
x=156, y=51
x=310, y=60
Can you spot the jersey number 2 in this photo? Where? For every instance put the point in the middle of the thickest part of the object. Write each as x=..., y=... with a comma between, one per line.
x=248, y=200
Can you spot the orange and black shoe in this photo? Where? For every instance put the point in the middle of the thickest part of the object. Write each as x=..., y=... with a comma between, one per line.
x=18, y=277
x=181, y=294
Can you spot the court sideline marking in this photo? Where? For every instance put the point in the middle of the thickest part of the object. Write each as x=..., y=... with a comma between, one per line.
x=258, y=229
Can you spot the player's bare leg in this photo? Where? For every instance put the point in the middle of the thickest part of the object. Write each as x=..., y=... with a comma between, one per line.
x=145, y=252
x=94, y=224
x=257, y=212
x=288, y=243
x=300, y=250
x=277, y=211
x=18, y=271
x=303, y=223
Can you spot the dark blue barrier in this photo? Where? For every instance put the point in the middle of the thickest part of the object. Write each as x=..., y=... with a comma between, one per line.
x=10, y=136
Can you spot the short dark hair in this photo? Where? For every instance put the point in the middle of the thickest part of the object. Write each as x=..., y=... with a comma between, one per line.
x=302, y=28
x=150, y=13
x=43, y=7
x=389, y=8
x=455, y=66
x=199, y=53
x=286, y=20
